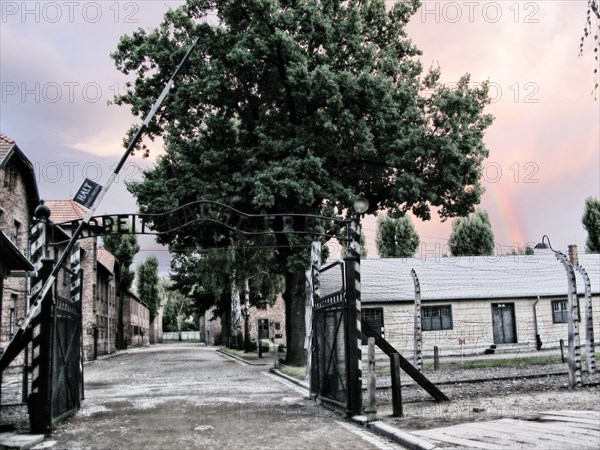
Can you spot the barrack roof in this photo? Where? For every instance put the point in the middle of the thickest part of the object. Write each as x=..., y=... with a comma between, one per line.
x=456, y=278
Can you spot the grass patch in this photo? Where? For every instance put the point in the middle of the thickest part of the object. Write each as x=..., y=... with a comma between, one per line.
x=239, y=353
x=251, y=355
x=510, y=362
x=298, y=373
x=384, y=367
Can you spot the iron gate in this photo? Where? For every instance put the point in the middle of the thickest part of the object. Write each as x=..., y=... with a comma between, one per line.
x=57, y=369
x=66, y=368
x=336, y=374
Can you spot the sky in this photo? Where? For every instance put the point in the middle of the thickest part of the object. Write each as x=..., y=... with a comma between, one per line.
x=56, y=78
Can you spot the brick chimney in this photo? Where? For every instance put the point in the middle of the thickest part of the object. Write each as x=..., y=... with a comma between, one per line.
x=573, y=256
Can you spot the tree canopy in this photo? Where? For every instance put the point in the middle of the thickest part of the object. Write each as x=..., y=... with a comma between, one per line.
x=396, y=238
x=591, y=222
x=297, y=107
x=472, y=235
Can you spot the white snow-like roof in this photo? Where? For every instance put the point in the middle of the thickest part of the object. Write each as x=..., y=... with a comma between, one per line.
x=455, y=278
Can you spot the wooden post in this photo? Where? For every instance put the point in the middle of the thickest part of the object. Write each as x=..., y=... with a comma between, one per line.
x=404, y=364
x=436, y=358
x=418, y=336
x=396, y=386
x=371, y=410
x=562, y=350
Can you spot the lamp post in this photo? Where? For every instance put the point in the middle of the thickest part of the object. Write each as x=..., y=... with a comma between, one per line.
x=353, y=308
x=361, y=205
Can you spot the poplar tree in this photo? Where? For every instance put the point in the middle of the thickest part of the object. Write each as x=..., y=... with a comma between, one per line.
x=124, y=248
x=472, y=235
x=147, y=284
x=591, y=223
x=396, y=238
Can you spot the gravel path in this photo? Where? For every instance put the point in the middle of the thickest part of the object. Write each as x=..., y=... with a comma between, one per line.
x=515, y=398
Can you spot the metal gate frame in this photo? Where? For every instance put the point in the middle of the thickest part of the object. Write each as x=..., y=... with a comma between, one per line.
x=66, y=368
x=336, y=369
x=57, y=365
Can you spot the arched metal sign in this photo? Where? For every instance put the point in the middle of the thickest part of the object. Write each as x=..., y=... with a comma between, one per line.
x=205, y=211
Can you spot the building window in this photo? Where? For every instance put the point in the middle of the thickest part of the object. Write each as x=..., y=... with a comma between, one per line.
x=436, y=317
x=374, y=317
x=10, y=178
x=12, y=320
x=277, y=325
x=560, y=311
x=17, y=234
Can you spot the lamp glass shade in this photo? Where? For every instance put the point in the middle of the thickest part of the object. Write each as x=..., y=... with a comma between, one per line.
x=361, y=204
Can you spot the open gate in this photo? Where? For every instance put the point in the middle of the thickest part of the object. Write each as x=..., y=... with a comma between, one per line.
x=56, y=363
x=336, y=360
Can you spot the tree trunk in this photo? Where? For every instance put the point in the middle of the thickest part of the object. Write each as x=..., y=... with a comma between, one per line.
x=236, y=318
x=246, y=314
x=295, y=328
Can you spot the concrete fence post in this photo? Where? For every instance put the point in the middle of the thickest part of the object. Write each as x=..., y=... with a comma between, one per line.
x=371, y=410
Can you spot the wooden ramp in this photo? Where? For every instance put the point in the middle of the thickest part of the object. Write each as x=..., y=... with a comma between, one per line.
x=551, y=430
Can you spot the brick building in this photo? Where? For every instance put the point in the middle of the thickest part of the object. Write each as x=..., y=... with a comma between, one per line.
x=265, y=323
x=18, y=199
x=105, y=302
x=156, y=329
x=99, y=307
x=137, y=324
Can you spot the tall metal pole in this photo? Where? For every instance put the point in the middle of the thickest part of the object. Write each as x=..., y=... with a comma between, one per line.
x=35, y=307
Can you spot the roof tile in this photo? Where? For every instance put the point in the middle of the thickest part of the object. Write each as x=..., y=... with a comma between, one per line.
x=65, y=210
x=106, y=258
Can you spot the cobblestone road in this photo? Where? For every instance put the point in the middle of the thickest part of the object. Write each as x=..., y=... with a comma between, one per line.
x=186, y=396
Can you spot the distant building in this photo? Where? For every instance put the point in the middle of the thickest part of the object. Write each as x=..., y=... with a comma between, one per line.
x=105, y=303
x=156, y=329
x=265, y=323
x=137, y=325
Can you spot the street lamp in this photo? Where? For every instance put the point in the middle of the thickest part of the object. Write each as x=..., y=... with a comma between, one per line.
x=361, y=204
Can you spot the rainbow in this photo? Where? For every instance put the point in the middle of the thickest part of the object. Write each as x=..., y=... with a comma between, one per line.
x=505, y=219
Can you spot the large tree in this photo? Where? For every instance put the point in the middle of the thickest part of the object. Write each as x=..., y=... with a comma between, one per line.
x=472, y=235
x=591, y=222
x=297, y=106
x=124, y=247
x=396, y=238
